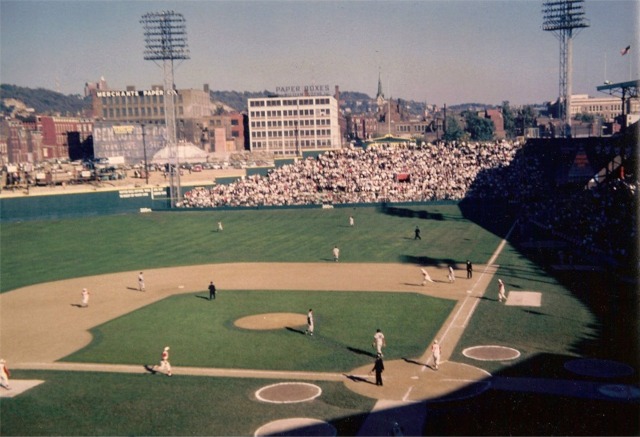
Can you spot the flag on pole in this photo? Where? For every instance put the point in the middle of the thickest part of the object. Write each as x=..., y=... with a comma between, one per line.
x=625, y=50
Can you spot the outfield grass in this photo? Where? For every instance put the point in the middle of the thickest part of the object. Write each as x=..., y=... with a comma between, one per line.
x=577, y=318
x=201, y=333
x=43, y=251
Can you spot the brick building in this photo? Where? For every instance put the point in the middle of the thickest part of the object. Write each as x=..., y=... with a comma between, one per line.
x=55, y=132
x=196, y=116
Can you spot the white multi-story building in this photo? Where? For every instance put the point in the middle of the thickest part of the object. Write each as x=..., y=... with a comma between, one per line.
x=288, y=126
x=607, y=107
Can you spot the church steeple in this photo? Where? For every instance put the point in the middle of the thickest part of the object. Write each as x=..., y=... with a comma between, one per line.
x=380, y=94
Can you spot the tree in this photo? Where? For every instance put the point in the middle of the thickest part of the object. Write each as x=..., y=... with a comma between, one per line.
x=585, y=117
x=453, y=131
x=509, y=119
x=525, y=118
x=479, y=128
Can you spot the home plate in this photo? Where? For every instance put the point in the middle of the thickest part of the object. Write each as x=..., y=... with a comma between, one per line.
x=524, y=298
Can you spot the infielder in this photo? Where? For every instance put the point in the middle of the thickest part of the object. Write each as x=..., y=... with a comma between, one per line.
x=165, y=366
x=435, y=351
x=4, y=374
x=425, y=277
x=141, y=282
x=309, y=322
x=85, y=298
x=379, y=341
x=501, y=294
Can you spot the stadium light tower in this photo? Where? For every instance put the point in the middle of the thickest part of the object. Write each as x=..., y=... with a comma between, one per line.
x=562, y=17
x=165, y=36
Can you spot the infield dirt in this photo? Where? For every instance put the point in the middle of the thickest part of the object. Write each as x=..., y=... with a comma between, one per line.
x=42, y=323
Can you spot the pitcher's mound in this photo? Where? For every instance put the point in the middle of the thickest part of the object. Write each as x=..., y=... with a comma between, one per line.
x=271, y=321
x=289, y=392
x=491, y=353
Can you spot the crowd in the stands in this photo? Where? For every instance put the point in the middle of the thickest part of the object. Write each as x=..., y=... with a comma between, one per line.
x=602, y=219
x=377, y=174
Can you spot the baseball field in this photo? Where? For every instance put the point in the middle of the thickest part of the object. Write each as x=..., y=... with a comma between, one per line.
x=559, y=357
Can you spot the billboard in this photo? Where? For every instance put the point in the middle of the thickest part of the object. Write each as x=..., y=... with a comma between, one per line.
x=125, y=139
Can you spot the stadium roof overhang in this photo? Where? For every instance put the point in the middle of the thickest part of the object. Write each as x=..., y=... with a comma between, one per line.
x=623, y=89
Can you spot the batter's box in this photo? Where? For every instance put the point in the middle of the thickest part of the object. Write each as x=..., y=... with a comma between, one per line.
x=524, y=298
x=18, y=386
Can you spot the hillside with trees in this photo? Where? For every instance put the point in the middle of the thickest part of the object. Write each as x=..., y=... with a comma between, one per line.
x=44, y=101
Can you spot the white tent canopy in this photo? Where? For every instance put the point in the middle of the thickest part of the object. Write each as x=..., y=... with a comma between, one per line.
x=185, y=152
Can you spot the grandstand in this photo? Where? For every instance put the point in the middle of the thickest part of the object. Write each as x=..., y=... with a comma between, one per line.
x=582, y=191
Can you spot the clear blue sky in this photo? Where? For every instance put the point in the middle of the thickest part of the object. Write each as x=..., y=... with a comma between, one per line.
x=437, y=51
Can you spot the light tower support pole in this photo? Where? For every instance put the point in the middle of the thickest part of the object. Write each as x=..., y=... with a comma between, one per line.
x=165, y=38
x=562, y=17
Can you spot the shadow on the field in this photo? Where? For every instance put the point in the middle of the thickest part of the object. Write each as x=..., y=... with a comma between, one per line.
x=297, y=331
x=360, y=352
x=133, y=288
x=355, y=378
x=411, y=213
x=201, y=297
x=410, y=361
x=535, y=313
x=486, y=298
x=428, y=261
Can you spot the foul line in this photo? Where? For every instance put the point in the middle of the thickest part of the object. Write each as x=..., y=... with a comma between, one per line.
x=495, y=255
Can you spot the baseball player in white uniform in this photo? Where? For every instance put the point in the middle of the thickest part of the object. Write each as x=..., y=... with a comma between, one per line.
x=85, y=298
x=379, y=341
x=165, y=366
x=501, y=294
x=141, y=282
x=435, y=351
x=309, y=322
x=4, y=374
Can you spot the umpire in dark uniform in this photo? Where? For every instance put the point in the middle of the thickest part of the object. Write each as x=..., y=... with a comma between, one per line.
x=378, y=367
x=212, y=291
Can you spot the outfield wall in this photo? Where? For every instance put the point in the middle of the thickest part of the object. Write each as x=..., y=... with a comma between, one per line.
x=131, y=200
x=57, y=206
